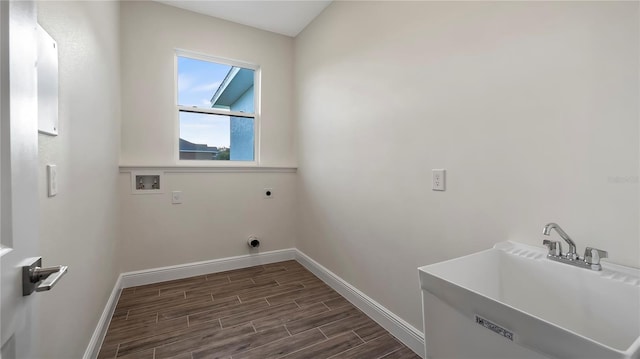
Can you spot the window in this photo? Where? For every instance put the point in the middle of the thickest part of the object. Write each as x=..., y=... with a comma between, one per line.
x=216, y=109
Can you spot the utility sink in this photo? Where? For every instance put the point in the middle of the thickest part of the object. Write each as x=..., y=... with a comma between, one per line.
x=512, y=302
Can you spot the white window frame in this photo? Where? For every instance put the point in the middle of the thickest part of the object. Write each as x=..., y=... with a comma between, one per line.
x=214, y=111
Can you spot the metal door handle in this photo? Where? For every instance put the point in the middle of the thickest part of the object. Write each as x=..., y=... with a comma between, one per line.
x=33, y=276
x=51, y=280
x=37, y=274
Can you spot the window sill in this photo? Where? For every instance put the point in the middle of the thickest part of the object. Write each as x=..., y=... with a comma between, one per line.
x=209, y=169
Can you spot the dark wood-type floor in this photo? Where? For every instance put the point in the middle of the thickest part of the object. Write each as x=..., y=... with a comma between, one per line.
x=277, y=310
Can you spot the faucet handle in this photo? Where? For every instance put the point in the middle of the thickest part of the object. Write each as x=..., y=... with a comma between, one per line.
x=555, y=247
x=594, y=255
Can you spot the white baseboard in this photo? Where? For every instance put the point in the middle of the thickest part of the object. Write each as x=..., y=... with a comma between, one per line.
x=162, y=274
x=406, y=333
x=103, y=323
x=403, y=331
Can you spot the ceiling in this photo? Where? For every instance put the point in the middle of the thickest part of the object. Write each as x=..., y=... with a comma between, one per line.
x=283, y=17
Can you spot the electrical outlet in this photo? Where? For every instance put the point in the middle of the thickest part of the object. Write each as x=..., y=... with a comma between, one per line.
x=439, y=180
x=268, y=193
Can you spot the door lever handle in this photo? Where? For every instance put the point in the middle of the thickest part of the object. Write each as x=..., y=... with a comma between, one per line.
x=38, y=279
x=37, y=274
x=54, y=274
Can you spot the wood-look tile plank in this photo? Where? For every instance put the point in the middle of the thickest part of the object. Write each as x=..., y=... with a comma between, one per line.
x=107, y=351
x=265, y=270
x=237, y=273
x=232, y=289
x=170, y=283
x=240, y=344
x=135, y=344
x=295, y=276
x=170, y=304
x=196, y=307
x=127, y=291
x=320, y=319
x=119, y=315
x=345, y=325
x=248, y=316
x=312, y=299
x=365, y=327
x=402, y=353
x=150, y=300
x=184, y=356
x=327, y=348
x=156, y=288
x=304, y=278
x=373, y=349
x=204, y=340
x=284, y=346
x=336, y=302
x=132, y=294
x=143, y=354
x=129, y=333
x=268, y=291
x=274, y=321
x=215, y=314
x=210, y=283
x=370, y=331
x=299, y=293
x=133, y=321
x=229, y=288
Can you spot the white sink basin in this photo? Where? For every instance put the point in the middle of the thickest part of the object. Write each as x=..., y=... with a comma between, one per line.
x=554, y=310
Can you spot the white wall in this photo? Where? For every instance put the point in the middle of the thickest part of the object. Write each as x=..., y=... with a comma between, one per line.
x=532, y=107
x=150, y=33
x=219, y=210
x=79, y=227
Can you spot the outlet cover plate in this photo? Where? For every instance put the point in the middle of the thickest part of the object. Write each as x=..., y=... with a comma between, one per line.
x=438, y=182
x=268, y=193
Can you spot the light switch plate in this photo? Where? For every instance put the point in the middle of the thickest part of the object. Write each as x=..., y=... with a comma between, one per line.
x=176, y=197
x=52, y=180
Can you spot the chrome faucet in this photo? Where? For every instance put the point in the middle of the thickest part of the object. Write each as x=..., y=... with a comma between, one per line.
x=591, y=258
x=573, y=255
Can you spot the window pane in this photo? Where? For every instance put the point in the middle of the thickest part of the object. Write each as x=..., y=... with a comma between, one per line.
x=203, y=136
x=216, y=137
x=207, y=84
x=242, y=139
x=198, y=81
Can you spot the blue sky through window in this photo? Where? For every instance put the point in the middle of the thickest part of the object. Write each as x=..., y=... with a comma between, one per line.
x=197, y=82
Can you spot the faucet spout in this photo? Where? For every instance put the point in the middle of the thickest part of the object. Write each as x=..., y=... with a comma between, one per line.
x=572, y=254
